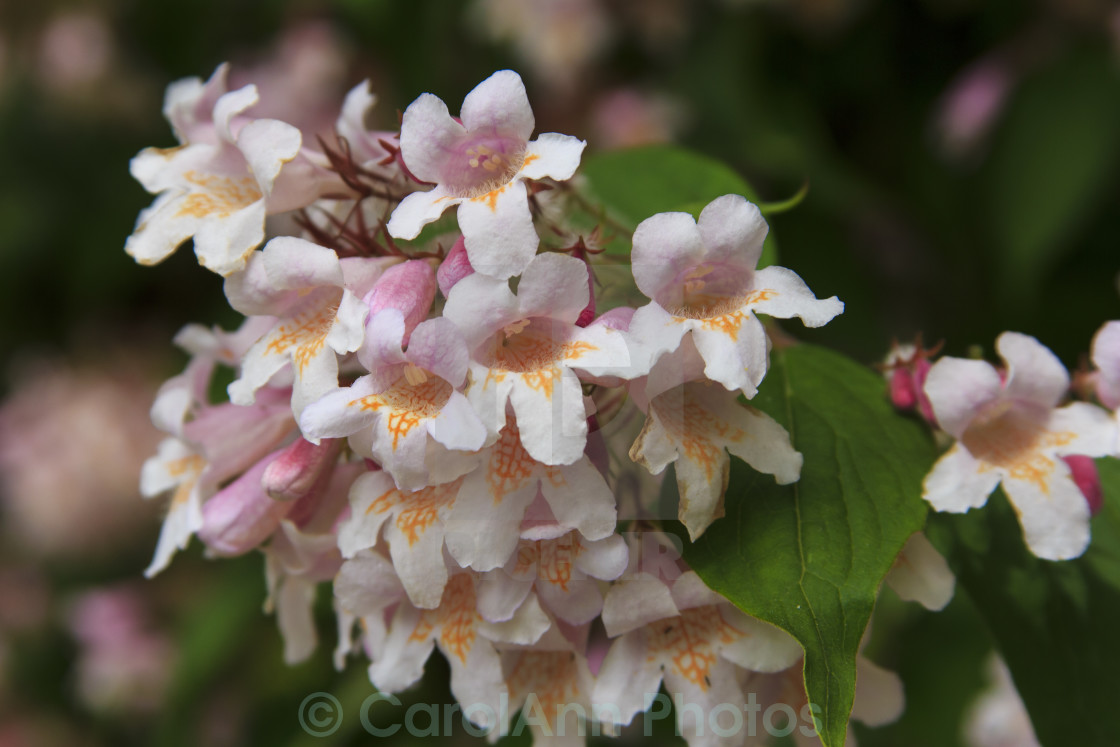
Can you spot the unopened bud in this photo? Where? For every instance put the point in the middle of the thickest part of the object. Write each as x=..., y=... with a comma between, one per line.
x=242, y=516
x=409, y=287
x=297, y=468
x=1083, y=470
x=454, y=268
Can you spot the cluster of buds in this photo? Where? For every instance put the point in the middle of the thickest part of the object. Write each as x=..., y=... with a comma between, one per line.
x=424, y=426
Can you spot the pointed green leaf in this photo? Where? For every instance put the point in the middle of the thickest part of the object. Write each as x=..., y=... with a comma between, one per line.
x=1055, y=623
x=809, y=557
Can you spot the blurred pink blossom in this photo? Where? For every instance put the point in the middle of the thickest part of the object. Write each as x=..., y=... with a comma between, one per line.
x=626, y=117
x=72, y=440
x=76, y=49
x=124, y=662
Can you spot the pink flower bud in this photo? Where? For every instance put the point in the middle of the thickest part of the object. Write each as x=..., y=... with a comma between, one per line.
x=291, y=475
x=1083, y=470
x=409, y=287
x=455, y=267
x=241, y=516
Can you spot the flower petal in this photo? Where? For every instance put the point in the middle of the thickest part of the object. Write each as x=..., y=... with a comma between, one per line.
x=499, y=103
x=1053, y=512
x=666, y=246
x=418, y=210
x=554, y=156
x=957, y=389
x=1034, y=373
x=781, y=293
x=959, y=482
x=427, y=133
x=498, y=231
x=733, y=231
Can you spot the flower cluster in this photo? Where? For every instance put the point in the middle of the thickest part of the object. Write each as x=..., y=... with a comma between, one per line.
x=418, y=406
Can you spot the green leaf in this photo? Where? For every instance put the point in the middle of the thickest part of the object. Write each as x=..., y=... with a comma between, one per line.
x=1054, y=623
x=635, y=183
x=809, y=557
x=1050, y=164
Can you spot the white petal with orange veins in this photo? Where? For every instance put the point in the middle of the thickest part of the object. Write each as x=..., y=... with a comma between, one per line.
x=551, y=414
x=735, y=351
x=498, y=230
x=920, y=574
x=1034, y=373
x=1053, y=512
x=959, y=482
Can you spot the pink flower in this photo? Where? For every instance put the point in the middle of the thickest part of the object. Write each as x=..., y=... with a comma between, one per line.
x=702, y=280
x=1012, y=432
x=480, y=163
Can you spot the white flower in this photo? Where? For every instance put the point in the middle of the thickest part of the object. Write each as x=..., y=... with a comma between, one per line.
x=564, y=571
x=218, y=185
x=692, y=638
x=408, y=401
x=525, y=350
x=454, y=626
x=1011, y=432
x=702, y=279
x=694, y=424
x=317, y=299
x=485, y=523
x=479, y=163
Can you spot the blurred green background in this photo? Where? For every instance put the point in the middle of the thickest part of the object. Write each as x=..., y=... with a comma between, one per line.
x=961, y=158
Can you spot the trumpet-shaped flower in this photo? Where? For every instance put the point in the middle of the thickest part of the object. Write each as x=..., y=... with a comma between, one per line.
x=689, y=636
x=480, y=162
x=218, y=185
x=317, y=300
x=695, y=424
x=1010, y=431
x=466, y=639
x=408, y=401
x=564, y=571
x=525, y=350
x=484, y=524
x=702, y=278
